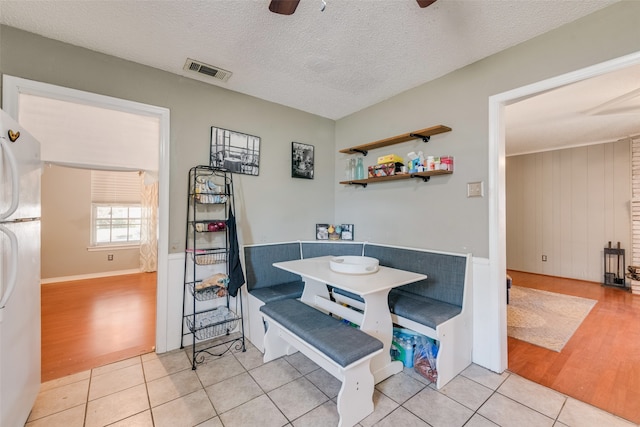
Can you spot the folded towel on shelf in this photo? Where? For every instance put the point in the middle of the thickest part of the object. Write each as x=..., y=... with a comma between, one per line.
x=220, y=280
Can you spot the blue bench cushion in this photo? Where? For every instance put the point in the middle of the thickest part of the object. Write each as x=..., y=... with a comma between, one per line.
x=446, y=273
x=278, y=292
x=258, y=261
x=341, y=343
x=424, y=310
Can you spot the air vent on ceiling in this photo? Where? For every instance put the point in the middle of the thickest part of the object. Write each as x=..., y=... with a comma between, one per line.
x=207, y=70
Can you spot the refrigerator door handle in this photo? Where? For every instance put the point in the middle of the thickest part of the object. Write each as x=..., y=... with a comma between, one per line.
x=13, y=268
x=15, y=179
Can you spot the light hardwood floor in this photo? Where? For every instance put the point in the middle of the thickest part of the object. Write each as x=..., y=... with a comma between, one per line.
x=90, y=323
x=600, y=364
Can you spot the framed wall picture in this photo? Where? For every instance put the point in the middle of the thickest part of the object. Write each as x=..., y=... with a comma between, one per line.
x=302, y=160
x=235, y=151
x=322, y=231
x=346, y=231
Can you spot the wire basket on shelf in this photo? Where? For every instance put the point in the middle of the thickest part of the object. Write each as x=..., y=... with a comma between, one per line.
x=208, y=258
x=206, y=294
x=213, y=323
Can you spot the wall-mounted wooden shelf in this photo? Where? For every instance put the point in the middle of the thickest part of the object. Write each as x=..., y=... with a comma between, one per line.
x=423, y=134
x=425, y=176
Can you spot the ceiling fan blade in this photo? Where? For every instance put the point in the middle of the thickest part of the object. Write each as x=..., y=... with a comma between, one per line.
x=425, y=3
x=283, y=7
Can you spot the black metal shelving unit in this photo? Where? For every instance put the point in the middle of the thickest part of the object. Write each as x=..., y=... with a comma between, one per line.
x=211, y=318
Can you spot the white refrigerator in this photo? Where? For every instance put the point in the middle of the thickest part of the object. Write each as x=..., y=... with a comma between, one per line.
x=20, y=174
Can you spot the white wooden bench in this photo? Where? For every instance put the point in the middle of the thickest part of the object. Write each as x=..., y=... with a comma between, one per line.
x=341, y=350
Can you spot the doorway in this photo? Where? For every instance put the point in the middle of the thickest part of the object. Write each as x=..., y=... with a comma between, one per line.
x=14, y=88
x=497, y=186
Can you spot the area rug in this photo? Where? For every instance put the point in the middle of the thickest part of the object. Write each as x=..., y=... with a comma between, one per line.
x=546, y=319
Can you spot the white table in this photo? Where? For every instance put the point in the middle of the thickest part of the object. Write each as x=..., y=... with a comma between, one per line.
x=373, y=288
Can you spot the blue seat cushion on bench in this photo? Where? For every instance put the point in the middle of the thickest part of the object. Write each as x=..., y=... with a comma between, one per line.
x=278, y=292
x=258, y=261
x=446, y=273
x=423, y=310
x=341, y=343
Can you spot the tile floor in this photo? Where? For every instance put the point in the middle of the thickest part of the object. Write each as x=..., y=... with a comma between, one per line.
x=240, y=390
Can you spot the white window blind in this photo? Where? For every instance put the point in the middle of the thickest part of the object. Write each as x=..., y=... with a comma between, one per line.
x=115, y=188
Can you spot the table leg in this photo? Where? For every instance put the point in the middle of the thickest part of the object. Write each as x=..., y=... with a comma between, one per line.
x=311, y=289
x=377, y=323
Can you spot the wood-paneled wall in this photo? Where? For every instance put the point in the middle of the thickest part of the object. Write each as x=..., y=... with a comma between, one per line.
x=568, y=204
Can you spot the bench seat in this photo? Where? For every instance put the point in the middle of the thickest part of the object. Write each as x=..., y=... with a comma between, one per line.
x=340, y=342
x=424, y=310
x=278, y=292
x=341, y=350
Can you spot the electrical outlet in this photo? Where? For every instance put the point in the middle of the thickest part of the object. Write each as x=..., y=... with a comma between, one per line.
x=544, y=258
x=475, y=189
x=110, y=257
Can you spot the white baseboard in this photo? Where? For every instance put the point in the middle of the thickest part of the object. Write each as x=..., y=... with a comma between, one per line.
x=89, y=276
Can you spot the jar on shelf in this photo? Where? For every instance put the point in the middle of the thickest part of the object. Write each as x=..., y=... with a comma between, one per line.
x=350, y=170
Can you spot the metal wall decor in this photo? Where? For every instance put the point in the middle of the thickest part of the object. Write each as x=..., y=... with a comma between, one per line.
x=302, y=160
x=234, y=151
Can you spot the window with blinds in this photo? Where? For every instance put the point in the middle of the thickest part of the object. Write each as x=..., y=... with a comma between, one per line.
x=115, y=207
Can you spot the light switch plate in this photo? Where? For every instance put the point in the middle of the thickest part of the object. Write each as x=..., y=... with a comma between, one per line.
x=475, y=189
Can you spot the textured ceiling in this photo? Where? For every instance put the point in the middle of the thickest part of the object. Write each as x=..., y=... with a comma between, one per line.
x=333, y=63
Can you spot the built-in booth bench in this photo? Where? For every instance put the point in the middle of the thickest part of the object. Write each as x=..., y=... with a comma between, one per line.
x=438, y=307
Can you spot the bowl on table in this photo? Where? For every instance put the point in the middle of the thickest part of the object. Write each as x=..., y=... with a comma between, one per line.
x=351, y=264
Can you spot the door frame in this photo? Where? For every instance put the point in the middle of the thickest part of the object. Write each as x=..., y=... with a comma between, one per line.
x=497, y=308
x=13, y=86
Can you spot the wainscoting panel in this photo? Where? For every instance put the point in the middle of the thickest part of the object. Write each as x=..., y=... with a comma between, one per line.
x=567, y=205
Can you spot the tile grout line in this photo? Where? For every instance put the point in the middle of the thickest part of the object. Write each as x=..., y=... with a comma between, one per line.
x=493, y=392
x=146, y=387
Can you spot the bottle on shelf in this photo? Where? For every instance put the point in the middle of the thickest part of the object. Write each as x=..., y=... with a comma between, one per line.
x=359, y=169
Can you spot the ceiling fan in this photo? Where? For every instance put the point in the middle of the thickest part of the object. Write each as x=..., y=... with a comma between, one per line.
x=287, y=7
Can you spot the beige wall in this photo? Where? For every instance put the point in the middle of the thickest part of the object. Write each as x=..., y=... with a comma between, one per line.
x=568, y=204
x=438, y=214
x=66, y=228
x=270, y=207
